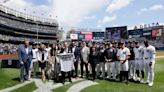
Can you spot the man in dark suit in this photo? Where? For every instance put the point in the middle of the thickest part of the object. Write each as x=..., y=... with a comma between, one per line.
x=76, y=50
x=25, y=57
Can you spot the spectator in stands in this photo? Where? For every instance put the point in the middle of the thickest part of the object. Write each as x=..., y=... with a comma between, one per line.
x=1, y=48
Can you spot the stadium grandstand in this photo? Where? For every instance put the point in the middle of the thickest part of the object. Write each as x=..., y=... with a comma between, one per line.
x=16, y=26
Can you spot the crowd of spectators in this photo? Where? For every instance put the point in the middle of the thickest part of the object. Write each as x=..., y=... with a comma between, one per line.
x=158, y=43
x=12, y=38
x=8, y=48
x=26, y=26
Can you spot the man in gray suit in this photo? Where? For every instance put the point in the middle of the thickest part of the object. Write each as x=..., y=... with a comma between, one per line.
x=85, y=51
x=25, y=57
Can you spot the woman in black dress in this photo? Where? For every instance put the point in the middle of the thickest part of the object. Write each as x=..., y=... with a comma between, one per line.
x=93, y=61
x=43, y=57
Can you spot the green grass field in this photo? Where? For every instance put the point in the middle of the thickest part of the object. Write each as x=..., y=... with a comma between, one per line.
x=160, y=53
x=107, y=86
x=28, y=88
x=10, y=77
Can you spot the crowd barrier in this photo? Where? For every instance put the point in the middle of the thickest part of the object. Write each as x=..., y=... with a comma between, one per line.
x=9, y=61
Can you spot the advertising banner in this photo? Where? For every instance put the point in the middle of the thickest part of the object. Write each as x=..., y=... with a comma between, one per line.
x=156, y=32
x=88, y=35
x=136, y=33
x=74, y=36
x=81, y=36
x=116, y=32
x=98, y=35
x=147, y=33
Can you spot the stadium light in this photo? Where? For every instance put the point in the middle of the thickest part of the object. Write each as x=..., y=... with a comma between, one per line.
x=36, y=27
x=37, y=32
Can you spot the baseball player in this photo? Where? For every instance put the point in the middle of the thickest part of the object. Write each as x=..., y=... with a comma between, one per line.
x=116, y=67
x=139, y=62
x=131, y=61
x=149, y=56
x=109, y=59
x=123, y=56
x=101, y=65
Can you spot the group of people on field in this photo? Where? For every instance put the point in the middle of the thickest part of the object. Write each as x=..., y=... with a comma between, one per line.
x=117, y=61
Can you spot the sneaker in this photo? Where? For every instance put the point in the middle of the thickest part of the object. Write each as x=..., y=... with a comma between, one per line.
x=21, y=81
x=101, y=76
x=70, y=81
x=60, y=74
x=142, y=81
x=108, y=77
x=93, y=80
x=147, y=82
x=129, y=78
x=29, y=79
x=134, y=78
x=114, y=78
x=138, y=79
x=150, y=84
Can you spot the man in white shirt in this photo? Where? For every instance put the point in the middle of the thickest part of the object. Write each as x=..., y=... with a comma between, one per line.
x=84, y=59
x=48, y=48
x=34, y=61
x=149, y=56
x=123, y=56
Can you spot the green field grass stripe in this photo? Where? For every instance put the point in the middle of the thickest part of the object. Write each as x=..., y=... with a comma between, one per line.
x=65, y=87
x=109, y=86
x=16, y=86
x=159, y=57
x=81, y=85
x=60, y=85
x=27, y=88
x=9, y=77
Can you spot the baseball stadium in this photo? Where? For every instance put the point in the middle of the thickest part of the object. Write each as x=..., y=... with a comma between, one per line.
x=66, y=52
